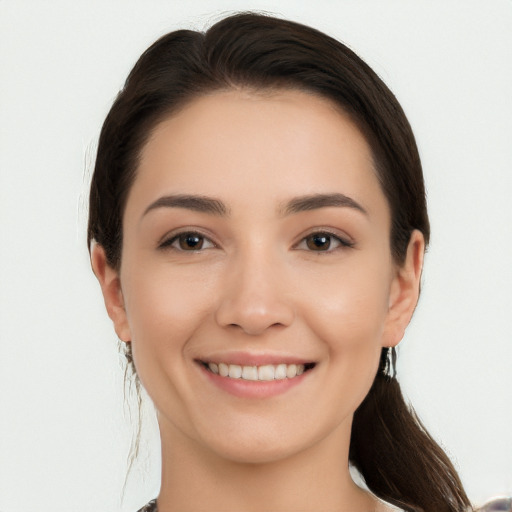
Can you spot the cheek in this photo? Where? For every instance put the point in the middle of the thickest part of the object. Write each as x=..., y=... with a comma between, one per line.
x=164, y=309
x=348, y=308
x=349, y=322
x=346, y=313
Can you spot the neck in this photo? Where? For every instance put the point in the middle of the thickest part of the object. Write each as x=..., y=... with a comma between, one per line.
x=317, y=478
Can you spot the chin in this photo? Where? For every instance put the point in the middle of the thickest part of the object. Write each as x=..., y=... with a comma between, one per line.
x=256, y=452
x=262, y=442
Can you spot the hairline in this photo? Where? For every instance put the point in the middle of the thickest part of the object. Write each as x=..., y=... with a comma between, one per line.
x=264, y=91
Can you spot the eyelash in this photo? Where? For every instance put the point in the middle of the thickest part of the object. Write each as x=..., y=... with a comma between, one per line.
x=343, y=243
x=168, y=243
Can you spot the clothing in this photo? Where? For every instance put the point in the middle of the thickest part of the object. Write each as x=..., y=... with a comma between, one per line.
x=150, y=507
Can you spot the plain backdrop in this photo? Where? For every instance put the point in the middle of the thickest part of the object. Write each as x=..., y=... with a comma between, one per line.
x=65, y=428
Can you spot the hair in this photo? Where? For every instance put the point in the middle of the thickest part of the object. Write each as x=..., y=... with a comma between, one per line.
x=390, y=447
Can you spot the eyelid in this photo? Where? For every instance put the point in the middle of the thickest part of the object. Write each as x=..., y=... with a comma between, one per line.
x=168, y=239
x=345, y=241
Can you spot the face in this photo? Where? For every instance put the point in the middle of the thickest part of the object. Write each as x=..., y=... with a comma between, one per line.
x=256, y=244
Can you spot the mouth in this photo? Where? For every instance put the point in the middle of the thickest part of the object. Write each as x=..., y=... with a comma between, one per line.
x=262, y=373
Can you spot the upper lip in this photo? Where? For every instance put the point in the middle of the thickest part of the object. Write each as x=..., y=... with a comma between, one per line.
x=253, y=358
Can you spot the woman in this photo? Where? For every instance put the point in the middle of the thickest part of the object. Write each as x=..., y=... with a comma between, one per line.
x=259, y=222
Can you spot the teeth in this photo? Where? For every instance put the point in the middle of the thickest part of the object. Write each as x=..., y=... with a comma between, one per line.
x=280, y=371
x=223, y=370
x=249, y=372
x=265, y=373
x=291, y=371
x=235, y=371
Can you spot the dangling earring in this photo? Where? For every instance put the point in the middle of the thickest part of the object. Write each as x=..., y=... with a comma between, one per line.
x=390, y=366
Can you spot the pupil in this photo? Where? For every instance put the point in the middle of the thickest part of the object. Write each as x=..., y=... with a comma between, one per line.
x=191, y=241
x=319, y=242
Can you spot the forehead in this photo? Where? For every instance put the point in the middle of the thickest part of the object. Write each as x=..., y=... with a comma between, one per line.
x=239, y=145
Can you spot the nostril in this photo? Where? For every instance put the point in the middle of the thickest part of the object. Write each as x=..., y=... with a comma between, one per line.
x=253, y=308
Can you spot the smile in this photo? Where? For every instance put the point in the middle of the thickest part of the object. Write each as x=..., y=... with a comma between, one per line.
x=251, y=376
x=266, y=372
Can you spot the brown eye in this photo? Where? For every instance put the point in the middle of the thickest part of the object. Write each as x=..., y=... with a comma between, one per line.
x=319, y=241
x=322, y=241
x=188, y=241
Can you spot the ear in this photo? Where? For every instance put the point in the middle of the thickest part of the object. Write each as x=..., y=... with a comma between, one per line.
x=404, y=291
x=112, y=293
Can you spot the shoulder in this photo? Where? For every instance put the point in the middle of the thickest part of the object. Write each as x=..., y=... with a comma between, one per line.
x=150, y=507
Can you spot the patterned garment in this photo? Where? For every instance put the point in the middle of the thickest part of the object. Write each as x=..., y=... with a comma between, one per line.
x=150, y=507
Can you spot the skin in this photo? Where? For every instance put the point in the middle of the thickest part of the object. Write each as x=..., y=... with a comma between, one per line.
x=258, y=286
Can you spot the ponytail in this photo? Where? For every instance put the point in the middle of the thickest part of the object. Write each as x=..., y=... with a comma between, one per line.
x=398, y=459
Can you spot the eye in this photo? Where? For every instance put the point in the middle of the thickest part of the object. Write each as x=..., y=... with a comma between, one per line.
x=322, y=241
x=188, y=241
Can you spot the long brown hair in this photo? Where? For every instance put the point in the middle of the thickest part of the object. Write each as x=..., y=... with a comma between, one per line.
x=390, y=447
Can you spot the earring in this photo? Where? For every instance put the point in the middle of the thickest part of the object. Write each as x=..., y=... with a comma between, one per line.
x=390, y=365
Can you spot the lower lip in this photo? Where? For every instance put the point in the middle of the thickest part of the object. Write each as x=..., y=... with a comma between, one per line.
x=254, y=388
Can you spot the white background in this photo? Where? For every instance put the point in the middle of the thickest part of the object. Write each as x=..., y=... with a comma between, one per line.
x=64, y=431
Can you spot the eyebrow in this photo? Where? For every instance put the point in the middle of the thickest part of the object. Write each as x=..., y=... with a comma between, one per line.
x=212, y=206
x=316, y=201
x=196, y=203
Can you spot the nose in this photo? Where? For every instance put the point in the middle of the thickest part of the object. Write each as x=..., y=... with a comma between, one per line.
x=255, y=295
